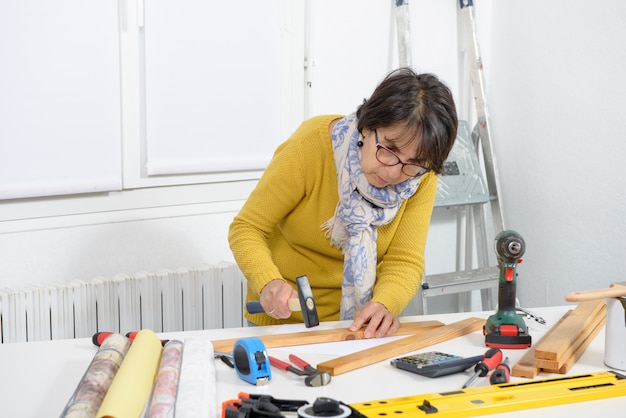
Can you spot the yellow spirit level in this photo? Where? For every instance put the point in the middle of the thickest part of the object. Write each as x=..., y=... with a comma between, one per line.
x=504, y=397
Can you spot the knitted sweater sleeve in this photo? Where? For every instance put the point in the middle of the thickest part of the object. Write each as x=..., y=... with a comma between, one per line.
x=295, y=167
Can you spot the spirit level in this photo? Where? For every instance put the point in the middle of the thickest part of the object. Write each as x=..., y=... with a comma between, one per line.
x=504, y=397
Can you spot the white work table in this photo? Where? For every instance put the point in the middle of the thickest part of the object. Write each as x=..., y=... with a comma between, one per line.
x=38, y=378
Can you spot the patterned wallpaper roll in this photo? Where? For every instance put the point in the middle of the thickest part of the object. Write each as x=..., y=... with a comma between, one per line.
x=96, y=381
x=130, y=390
x=163, y=398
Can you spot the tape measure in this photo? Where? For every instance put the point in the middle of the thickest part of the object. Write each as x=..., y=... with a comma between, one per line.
x=505, y=397
x=251, y=361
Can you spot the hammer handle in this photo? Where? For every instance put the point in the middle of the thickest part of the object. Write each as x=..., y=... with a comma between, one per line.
x=255, y=307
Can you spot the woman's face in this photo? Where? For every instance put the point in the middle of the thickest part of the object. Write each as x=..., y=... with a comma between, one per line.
x=394, y=139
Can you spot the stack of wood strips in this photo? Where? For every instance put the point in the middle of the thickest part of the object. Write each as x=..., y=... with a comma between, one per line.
x=562, y=346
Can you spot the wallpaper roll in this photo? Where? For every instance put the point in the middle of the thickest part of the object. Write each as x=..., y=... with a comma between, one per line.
x=129, y=392
x=97, y=379
x=163, y=398
x=197, y=393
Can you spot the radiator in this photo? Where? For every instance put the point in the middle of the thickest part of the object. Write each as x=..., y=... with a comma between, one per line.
x=202, y=297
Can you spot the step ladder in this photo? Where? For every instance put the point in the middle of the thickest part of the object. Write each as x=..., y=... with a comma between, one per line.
x=462, y=185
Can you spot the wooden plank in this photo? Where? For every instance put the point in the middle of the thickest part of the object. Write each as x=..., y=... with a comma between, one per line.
x=399, y=347
x=323, y=336
x=527, y=365
x=570, y=351
x=557, y=346
x=569, y=363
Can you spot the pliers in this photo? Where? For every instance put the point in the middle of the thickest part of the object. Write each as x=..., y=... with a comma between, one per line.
x=313, y=377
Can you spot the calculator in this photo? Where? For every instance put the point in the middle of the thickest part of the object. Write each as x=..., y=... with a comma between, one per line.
x=435, y=363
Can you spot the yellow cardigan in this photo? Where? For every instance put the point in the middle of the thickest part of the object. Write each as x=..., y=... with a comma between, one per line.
x=277, y=233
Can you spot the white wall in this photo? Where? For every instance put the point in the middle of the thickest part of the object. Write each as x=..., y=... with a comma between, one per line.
x=556, y=97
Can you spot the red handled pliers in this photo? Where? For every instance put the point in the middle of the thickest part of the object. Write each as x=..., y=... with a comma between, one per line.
x=313, y=377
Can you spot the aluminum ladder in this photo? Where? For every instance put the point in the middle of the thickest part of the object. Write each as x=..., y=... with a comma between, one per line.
x=462, y=184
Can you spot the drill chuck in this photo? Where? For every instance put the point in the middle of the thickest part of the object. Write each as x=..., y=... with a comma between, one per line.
x=509, y=246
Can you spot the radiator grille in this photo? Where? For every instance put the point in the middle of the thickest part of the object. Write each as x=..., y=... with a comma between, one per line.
x=202, y=297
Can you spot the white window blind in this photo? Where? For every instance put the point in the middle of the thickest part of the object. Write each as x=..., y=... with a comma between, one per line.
x=59, y=98
x=213, y=81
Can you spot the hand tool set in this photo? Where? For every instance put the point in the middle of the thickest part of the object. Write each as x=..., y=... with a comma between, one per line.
x=504, y=329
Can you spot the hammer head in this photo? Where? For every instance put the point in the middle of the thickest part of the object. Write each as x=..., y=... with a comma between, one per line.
x=309, y=309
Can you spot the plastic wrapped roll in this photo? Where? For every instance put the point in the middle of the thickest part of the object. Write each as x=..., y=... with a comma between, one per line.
x=163, y=398
x=130, y=390
x=95, y=383
x=197, y=393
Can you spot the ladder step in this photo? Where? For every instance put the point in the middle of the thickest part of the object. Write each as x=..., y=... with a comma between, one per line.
x=460, y=281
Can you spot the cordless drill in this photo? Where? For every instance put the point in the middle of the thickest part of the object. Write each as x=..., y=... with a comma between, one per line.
x=505, y=328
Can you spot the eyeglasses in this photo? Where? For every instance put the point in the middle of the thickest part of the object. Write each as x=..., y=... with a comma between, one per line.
x=387, y=157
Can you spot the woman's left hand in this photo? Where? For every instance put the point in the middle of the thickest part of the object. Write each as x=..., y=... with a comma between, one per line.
x=380, y=322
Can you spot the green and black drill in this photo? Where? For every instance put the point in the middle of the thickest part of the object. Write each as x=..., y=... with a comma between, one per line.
x=505, y=328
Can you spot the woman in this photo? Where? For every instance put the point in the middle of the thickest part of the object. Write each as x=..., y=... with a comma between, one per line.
x=347, y=201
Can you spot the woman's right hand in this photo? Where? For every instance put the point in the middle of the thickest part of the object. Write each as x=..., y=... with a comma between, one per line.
x=275, y=296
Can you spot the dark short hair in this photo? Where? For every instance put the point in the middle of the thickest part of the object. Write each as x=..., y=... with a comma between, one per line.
x=420, y=101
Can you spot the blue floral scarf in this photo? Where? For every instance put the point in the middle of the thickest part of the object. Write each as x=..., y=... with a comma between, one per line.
x=361, y=209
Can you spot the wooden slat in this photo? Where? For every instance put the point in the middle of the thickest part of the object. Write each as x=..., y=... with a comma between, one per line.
x=567, y=365
x=570, y=352
x=527, y=365
x=558, y=346
x=565, y=351
x=322, y=336
x=396, y=348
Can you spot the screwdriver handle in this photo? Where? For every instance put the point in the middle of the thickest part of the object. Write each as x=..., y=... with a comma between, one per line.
x=501, y=374
x=493, y=357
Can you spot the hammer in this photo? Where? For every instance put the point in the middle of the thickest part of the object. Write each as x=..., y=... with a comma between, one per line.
x=304, y=303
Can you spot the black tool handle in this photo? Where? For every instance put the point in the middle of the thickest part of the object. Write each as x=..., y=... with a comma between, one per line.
x=501, y=374
x=254, y=307
x=493, y=357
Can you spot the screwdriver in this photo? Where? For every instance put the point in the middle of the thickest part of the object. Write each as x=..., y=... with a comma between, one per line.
x=501, y=374
x=493, y=357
